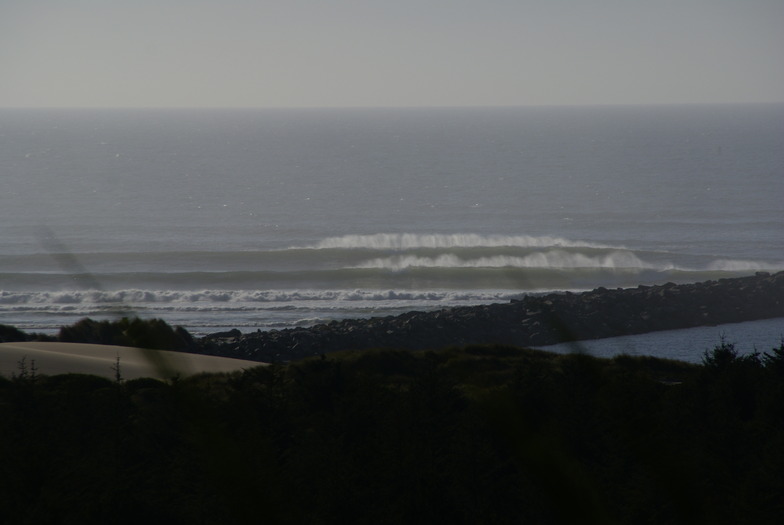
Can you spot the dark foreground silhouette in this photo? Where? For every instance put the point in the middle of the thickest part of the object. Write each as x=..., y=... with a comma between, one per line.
x=482, y=434
x=468, y=434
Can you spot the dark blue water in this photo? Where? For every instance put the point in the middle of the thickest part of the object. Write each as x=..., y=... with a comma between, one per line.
x=686, y=345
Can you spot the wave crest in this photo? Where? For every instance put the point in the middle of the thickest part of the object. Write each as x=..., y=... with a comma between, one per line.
x=68, y=299
x=407, y=241
x=557, y=259
x=735, y=265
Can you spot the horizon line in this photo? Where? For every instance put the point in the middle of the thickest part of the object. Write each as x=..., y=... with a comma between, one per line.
x=401, y=107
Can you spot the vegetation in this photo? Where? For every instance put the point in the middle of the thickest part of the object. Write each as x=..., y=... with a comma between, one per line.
x=482, y=434
x=141, y=333
x=11, y=334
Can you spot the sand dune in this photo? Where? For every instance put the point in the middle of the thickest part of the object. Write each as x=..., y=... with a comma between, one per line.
x=63, y=358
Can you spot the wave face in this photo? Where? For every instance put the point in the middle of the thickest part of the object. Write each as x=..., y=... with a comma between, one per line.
x=375, y=262
x=334, y=278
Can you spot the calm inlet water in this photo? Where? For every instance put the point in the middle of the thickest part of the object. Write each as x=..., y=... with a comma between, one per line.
x=265, y=219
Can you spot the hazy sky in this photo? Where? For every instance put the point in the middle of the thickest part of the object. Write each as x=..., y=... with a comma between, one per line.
x=282, y=53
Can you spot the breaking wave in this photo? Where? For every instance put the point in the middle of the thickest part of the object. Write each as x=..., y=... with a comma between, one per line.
x=230, y=300
x=408, y=241
x=337, y=277
x=553, y=259
x=226, y=296
x=730, y=265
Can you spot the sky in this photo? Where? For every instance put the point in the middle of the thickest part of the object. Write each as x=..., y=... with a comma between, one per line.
x=382, y=53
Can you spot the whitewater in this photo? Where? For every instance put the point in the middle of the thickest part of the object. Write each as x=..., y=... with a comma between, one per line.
x=267, y=219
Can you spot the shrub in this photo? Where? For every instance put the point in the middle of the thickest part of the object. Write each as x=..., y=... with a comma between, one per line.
x=149, y=333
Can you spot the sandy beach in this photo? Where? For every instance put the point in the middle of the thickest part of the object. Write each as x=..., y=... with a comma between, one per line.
x=62, y=358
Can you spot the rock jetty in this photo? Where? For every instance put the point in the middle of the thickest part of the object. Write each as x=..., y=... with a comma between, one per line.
x=532, y=321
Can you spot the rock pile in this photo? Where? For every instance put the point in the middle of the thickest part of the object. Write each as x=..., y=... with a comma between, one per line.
x=531, y=321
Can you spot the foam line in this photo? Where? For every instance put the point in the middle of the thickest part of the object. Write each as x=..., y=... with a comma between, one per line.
x=407, y=241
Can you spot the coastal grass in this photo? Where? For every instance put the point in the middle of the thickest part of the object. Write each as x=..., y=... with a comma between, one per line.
x=475, y=434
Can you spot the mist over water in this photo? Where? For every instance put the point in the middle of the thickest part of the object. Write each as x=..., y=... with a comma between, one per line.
x=275, y=218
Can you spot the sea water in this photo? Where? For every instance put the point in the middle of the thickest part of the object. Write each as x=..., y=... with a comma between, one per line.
x=267, y=219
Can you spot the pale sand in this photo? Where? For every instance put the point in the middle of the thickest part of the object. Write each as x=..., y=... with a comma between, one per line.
x=100, y=360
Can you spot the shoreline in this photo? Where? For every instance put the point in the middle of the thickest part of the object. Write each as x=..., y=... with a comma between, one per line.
x=532, y=321
x=527, y=322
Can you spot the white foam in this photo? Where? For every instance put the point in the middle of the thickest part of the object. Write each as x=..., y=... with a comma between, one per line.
x=731, y=265
x=406, y=241
x=557, y=259
x=222, y=299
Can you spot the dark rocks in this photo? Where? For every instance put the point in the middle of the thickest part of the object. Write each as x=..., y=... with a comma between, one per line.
x=532, y=320
x=231, y=334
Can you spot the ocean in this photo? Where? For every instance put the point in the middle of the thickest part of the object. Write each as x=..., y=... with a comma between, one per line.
x=274, y=218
